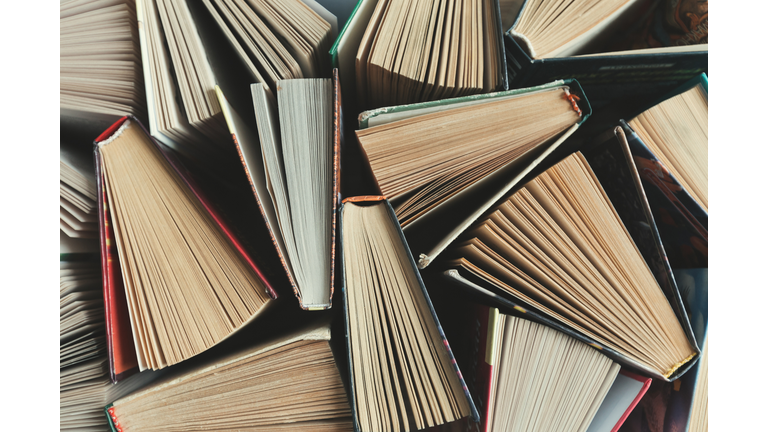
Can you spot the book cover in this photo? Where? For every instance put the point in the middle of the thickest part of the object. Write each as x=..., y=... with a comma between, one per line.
x=120, y=339
x=475, y=416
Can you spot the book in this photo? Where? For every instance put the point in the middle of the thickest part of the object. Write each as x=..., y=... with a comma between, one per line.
x=442, y=170
x=544, y=43
x=434, y=50
x=84, y=384
x=297, y=196
x=676, y=132
x=77, y=192
x=542, y=246
x=185, y=56
x=680, y=405
x=345, y=50
x=283, y=377
x=679, y=222
x=100, y=73
x=574, y=386
x=403, y=375
x=277, y=40
x=177, y=281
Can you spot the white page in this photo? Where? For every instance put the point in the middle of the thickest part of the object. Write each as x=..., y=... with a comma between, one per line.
x=623, y=391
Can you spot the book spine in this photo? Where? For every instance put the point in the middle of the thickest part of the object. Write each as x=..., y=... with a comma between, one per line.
x=345, y=313
x=338, y=131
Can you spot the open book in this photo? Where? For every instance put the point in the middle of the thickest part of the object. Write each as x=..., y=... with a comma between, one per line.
x=535, y=378
x=284, y=380
x=293, y=168
x=435, y=50
x=403, y=374
x=559, y=246
x=77, y=192
x=188, y=282
x=100, y=65
x=443, y=163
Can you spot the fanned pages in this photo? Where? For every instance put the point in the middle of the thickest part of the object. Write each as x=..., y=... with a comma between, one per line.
x=423, y=157
x=558, y=245
x=181, y=70
x=84, y=385
x=77, y=193
x=289, y=382
x=187, y=280
x=297, y=166
x=276, y=40
x=700, y=405
x=545, y=380
x=404, y=377
x=555, y=28
x=100, y=61
x=428, y=50
x=676, y=131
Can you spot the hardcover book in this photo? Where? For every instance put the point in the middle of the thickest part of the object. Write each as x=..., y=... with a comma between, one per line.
x=156, y=240
x=559, y=264
x=77, y=192
x=345, y=49
x=282, y=376
x=583, y=44
x=286, y=191
x=506, y=377
x=444, y=163
x=100, y=76
x=403, y=375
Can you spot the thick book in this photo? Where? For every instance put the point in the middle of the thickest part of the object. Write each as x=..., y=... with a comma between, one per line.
x=453, y=49
x=84, y=384
x=608, y=74
x=223, y=287
x=561, y=266
x=345, y=50
x=77, y=192
x=680, y=405
x=184, y=57
x=491, y=387
x=100, y=67
x=277, y=40
x=403, y=374
x=283, y=377
x=441, y=170
x=266, y=170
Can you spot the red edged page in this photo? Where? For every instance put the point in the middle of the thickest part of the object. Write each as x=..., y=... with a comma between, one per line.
x=121, y=348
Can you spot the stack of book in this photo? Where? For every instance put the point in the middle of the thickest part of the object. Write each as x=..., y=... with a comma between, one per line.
x=417, y=226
